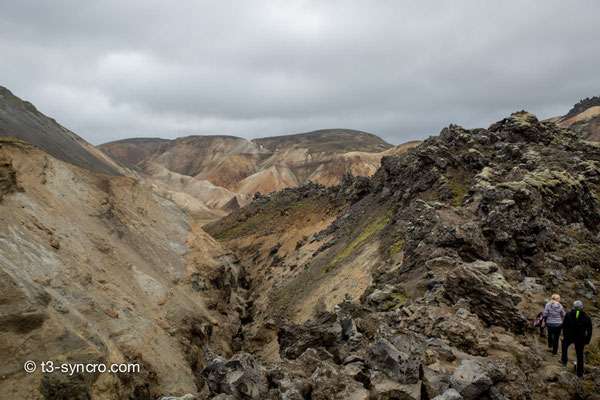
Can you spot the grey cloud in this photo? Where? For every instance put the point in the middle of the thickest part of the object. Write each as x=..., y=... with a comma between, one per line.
x=402, y=70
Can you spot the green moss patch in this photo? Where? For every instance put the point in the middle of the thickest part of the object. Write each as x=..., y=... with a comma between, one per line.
x=365, y=236
x=459, y=188
x=396, y=247
x=315, y=271
x=396, y=300
x=593, y=354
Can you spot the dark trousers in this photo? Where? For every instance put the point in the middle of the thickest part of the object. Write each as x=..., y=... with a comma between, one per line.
x=578, y=350
x=553, y=336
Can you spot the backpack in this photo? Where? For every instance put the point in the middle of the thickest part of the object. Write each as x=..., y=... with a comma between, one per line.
x=540, y=321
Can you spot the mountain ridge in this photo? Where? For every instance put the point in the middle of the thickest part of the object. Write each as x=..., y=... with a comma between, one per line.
x=583, y=118
x=21, y=120
x=244, y=167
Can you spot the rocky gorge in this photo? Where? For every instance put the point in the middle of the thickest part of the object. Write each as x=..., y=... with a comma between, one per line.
x=418, y=282
x=460, y=241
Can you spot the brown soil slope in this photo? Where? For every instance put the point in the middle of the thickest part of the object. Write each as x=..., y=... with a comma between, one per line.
x=95, y=269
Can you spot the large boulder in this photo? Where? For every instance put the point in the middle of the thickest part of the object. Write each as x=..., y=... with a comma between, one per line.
x=470, y=380
x=241, y=376
x=489, y=295
x=435, y=382
x=463, y=330
x=325, y=382
x=398, y=357
x=508, y=380
x=325, y=331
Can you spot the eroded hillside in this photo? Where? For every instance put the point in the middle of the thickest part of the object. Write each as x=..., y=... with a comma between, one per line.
x=424, y=279
x=238, y=168
x=96, y=269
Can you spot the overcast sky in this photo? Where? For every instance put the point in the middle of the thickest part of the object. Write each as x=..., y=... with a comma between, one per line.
x=399, y=69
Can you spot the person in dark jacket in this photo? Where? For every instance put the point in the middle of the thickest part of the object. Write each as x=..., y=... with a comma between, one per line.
x=577, y=328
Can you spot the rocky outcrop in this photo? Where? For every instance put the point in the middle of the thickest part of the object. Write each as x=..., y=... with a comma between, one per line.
x=582, y=105
x=583, y=118
x=460, y=241
x=395, y=363
x=399, y=357
x=241, y=377
x=493, y=299
x=323, y=332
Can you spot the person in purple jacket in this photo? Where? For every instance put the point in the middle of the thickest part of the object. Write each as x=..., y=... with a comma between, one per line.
x=554, y=314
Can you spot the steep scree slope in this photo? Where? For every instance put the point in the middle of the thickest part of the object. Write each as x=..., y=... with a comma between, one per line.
x=21, y=120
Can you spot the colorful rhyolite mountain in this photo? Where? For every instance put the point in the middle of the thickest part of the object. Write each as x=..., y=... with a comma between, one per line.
x=224, y=172
x=207, y=176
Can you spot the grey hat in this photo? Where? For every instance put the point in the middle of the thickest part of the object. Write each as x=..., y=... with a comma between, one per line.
x=578, y=305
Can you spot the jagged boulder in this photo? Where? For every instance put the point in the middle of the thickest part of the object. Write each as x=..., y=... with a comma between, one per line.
x=398, y=357
x=241, y=376
x=325, y=331
x=470, y=380
x=291, y=389
x=325, y=382
x=435, y=382
x=356, y=372
x=292, y=378
x=508, y=381
x=462, y=330
x=489, y=295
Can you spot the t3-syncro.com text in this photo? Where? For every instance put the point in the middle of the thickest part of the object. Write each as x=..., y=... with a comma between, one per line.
x=49, y=367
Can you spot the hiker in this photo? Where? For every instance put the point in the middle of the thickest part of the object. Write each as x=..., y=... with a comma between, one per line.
x=554, y=314
x=578, y=330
